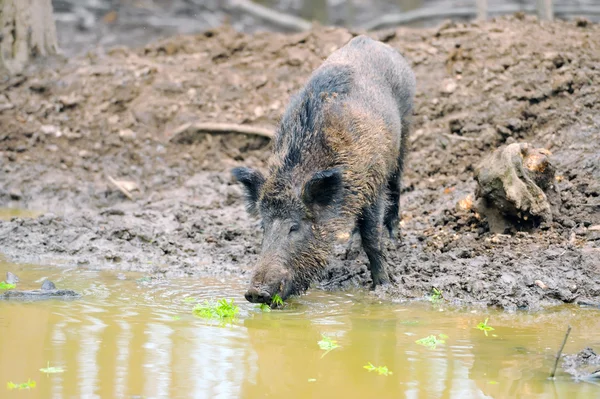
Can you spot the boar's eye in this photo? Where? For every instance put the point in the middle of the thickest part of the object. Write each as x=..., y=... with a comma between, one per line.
x=294, y=227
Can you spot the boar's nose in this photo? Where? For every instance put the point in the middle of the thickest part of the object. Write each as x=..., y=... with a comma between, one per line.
x=256, y=295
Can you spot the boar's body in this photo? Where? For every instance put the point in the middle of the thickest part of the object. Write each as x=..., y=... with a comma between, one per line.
x=336, y=165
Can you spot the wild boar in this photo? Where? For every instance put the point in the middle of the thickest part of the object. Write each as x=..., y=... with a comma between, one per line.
x=336, y=166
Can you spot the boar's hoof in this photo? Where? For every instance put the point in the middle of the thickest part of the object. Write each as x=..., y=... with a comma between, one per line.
x=380, y=278
x=256, y=295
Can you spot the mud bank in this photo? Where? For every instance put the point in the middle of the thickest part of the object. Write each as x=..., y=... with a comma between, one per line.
x=66, y=130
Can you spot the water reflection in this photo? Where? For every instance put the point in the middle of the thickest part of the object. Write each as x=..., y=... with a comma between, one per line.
x=121, y=341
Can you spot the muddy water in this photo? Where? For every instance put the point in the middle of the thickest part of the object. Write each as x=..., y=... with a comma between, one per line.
x=137, y=338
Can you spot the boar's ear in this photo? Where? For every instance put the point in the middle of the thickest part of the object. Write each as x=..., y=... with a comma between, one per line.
x=252, y=180
x=323, y=188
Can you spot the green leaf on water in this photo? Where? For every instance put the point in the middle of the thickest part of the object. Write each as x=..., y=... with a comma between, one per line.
x=277, y=301
x=220, y=309
x=381, y=370
x=432, y=341
x=24, y=385
x=6, y=286
x=264, y=307
x=484, y=327
x=327, y=344
x=52, y=370
x=493, y=382
x=436, y=295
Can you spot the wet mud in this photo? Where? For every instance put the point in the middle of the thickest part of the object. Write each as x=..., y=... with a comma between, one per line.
x=73, y=133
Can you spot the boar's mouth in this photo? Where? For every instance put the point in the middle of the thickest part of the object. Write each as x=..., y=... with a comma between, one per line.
x=265, y=294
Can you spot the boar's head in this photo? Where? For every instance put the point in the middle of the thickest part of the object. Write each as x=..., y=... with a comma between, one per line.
x=294, y=244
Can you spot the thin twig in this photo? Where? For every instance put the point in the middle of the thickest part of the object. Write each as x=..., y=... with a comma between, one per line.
x=560, y=353
x=457, y=137
x=221, y=128
x=429, y=13
x=120, y=187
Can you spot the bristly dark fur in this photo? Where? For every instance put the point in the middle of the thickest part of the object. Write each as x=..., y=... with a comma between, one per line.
x=301, y=128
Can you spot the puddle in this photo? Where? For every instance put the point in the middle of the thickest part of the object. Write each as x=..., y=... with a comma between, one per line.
x=130, y=338
x=9, y=213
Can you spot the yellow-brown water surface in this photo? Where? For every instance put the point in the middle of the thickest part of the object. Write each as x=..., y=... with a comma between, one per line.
x=138, y=339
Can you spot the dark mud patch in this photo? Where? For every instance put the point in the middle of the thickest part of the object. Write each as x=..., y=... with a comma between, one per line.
x=584, y=365
x=66, y=130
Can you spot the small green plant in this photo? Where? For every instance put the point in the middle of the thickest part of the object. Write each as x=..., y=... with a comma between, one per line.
x=277, y=301
x=381, y=370
x=264, y=307
x=24, y=385
x=432, y=341
x=327, y=344
x=6, y=286
x=436, y=295
x=216, y=310
x=52, y=370
x=484, y=327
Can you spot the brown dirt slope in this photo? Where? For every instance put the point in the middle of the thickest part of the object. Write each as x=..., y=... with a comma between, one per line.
x=66, y=129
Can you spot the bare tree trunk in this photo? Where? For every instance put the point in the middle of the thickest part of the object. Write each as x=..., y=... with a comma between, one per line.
x=27, y=31
x=544, y=9
x=482, y=7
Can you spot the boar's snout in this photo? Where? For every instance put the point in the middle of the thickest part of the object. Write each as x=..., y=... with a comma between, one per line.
x=257, y=295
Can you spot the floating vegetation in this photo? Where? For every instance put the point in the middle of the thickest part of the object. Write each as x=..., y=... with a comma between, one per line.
x=327, y=344
x=176, y=317
x=220, y=309
x=432, y=341
x=24, y=385
x=484, y=327
x=276, y=301
x=6, y=286
x=264, y=307
x=381, y=370
x=189, y=299
x=436, y=296
x=52, y=370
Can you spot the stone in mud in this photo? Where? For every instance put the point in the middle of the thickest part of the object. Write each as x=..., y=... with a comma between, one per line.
x=48, y=285
x=39, y=295
x=583, y=365
x=511, y=185
x=11, y=278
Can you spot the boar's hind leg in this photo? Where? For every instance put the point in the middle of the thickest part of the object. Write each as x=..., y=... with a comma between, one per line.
x=392, y=211
x=370, y=228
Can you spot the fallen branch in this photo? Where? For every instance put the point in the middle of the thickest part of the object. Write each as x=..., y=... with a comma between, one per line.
x=457, y=137
x=286, y=21
x=560, y=353
x=429, y=13
x=219, y=128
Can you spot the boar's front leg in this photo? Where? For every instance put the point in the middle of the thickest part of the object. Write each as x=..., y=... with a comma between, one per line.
x=370, y=225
